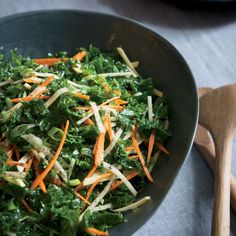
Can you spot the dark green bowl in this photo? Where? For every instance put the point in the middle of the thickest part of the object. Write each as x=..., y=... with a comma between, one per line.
x=37, y=33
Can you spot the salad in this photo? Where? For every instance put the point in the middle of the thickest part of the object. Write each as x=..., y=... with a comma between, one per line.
x=79, y=137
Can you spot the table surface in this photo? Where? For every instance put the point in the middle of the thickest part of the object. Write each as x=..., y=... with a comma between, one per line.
x=206, y=37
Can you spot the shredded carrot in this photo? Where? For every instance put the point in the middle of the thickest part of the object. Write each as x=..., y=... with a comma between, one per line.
x=44, y=97
x=32, y=80
x=99, y=152
x=136, y=146
x=105, y=86
x=9, y=153
x=93, y=231
x=53, y=160
x=108, y=101
x=117, y=92
x=47, y=81
x=83, y=108
x=26, y=205
x=90, y=190
x=162, y=148
x=116, y=107
x=128, y=177
x=151, y=144
x=121, y=102
x=80, y=95
x=16, y=151
x=80, y=55
x=82, y=198
x=49, y=61
x=16, y=163
x=129, y=148
x=109, y=128
x=27, y=168
x=37, y=172
x=133, y=157
x=77, y=188
x=24, y=99
x=89, y=122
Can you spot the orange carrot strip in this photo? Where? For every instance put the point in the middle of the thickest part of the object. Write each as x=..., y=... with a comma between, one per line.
x=105, y=86
x=16, y=151
x=27, y=168
x=99, y=153
x=80, y=55
x=128, y=177
x=82, y=198
x=93, y=231
x=44, y=97
x=162, y=148
x=151, y=144
x=53, y=160
x=136, y=146
x=109, y=128
x=90, y=190
x=121, y=102
x=49, y=61
x=16, y=163
x=9, y=153
x=89, y=122
x=80, y=95
x=87, y=176
x=116, y=107
x=129, y=148
x=83, y=108
x=47, y=81
x=26, y=205
x=133, y=157
x=37, y=172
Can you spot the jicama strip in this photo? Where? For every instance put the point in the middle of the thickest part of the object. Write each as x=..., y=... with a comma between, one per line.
x=102, y=194
x=102, y=207
x=15, y=174
x=6, y=82
x=128, y=135
x=115, y=171
x=113, y=143
x=150, y=111
x=45, y=75
x=117, y=74
x=158, y=93
x=81, y=121
x=23, y=160
x=126, y=60
x=55, y=96
x=13, y=180
x=134, y=205
x=53, y=161
x=90, y=180
x=97, y=117
x=71, y=167
x=27, y=86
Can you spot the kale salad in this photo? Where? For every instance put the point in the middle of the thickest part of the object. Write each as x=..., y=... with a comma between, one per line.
x=79, y=137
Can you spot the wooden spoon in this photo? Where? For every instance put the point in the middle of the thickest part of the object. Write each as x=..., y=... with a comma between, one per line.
x=205, y=145
x=218, y=115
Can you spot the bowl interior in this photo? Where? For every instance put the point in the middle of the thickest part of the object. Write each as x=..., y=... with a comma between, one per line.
x=37, y=33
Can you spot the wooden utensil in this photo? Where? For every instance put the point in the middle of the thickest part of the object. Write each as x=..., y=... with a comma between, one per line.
x=218, y=115
x=205, y=145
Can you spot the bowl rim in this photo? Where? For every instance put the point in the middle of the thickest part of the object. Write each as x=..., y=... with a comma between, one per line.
x=170, y=46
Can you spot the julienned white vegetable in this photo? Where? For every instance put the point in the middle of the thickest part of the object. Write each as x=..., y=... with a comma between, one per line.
x=6, y=82
x=126, y=60
x=115, y=171
x=128, y=135
x=39, y=74
x=158, y=93
x=114, y=141
x=76, y=85
x=150, y=110
x=23, y=160
x=97, y=117
x=154, y=160
x=15, y=174
x=14, y=180
x=117, y=74
x=55, y=96
x=90, y=180
x=71, y=167
x=82, y=120
x=102, y=194
x=37, y=143
x=134, y=205
x=102, y=207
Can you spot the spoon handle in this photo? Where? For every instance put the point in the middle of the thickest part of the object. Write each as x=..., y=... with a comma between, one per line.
x=206, y=146
x=221, y=211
